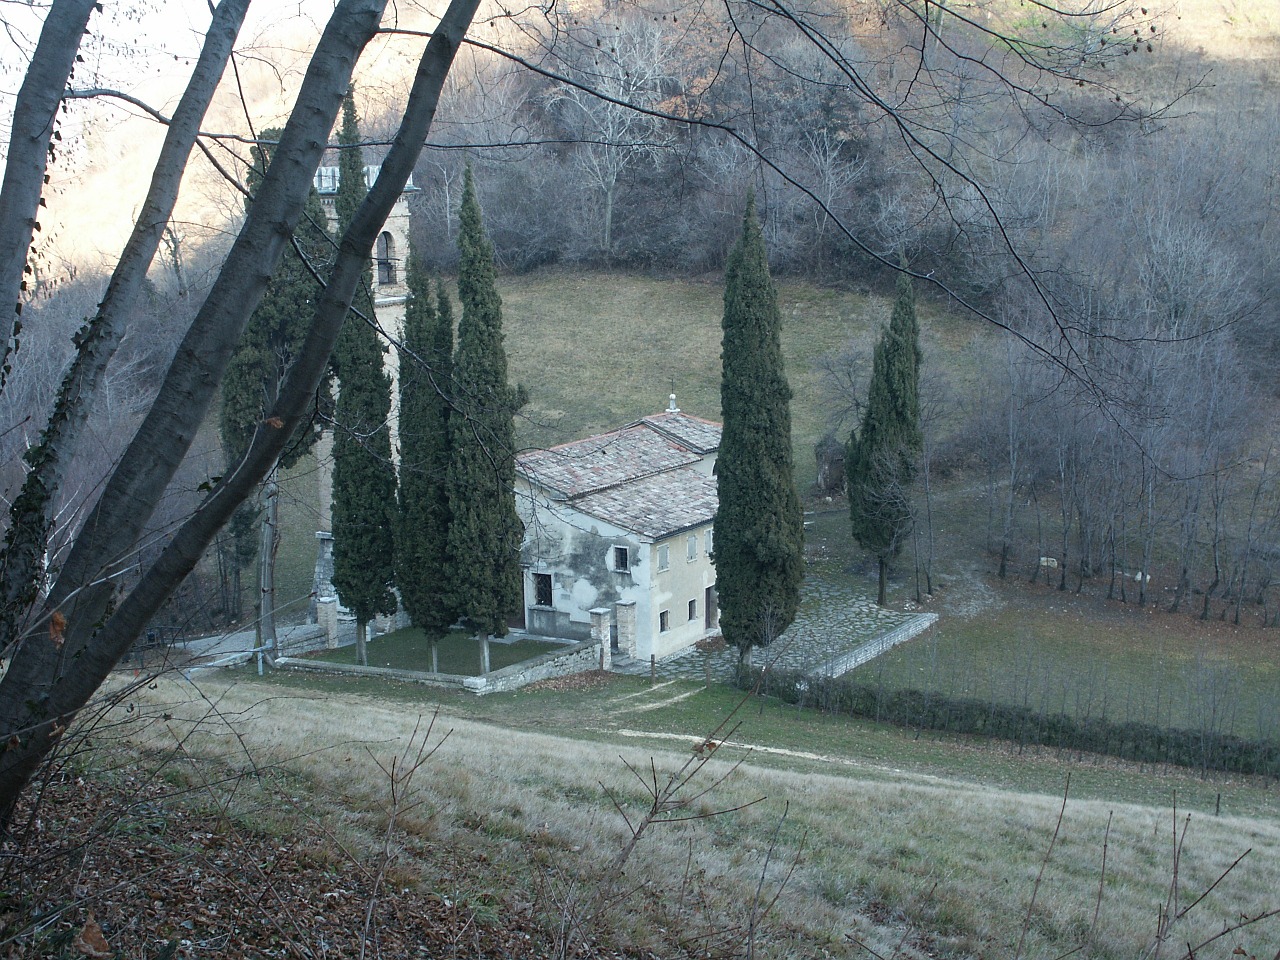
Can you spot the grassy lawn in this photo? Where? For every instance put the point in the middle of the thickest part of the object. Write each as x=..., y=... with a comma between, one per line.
x=458, y=653
x=1061, y=656
x=1032, y=645
x=672, y=716
x=890, y=835
x=598, y=351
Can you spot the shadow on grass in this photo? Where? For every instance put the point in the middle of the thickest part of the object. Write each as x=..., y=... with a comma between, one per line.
x=458, y=653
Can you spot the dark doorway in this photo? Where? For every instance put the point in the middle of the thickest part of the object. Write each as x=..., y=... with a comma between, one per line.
x=542, y=589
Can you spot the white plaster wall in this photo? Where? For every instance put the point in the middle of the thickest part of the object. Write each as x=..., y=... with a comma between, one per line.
x=554, y=531
x=673, y=588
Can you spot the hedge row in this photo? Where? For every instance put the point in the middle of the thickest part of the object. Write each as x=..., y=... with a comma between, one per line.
x=1140, y=742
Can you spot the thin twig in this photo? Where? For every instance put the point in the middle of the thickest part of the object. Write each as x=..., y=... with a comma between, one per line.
x=1035, y=889
x=1102, y=879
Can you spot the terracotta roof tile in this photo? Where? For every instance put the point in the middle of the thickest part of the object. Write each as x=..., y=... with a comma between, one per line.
x=596, y=463
x=694, y=432
x=639, y=478
x=656, y=506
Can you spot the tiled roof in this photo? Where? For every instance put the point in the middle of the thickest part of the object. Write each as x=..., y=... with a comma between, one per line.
x=694, y=432
x=638, y=478
x=584, y=466
x=655, y=506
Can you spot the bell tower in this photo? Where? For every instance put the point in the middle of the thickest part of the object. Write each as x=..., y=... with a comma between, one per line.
x=390, y=290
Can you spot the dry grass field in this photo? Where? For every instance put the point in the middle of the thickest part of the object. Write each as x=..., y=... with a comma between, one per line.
x=769, y=852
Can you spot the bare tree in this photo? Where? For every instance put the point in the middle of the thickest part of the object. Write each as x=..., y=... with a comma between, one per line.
x=77, y=638
x=62, y=644
x=630, y=63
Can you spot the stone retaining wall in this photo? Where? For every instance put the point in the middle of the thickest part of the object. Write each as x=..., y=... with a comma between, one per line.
x=574, y=658
x=304, y=639
x=873, y=648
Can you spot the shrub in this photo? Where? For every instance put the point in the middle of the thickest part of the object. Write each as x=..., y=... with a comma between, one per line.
x=1139, y=742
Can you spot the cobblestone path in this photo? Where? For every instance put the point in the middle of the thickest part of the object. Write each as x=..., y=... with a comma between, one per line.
x=832, y=621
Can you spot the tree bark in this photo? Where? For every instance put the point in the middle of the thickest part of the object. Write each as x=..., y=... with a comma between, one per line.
x=362, y=642
x=31, y=514
x=30, y=138
x=267, y=563
x=46, y=683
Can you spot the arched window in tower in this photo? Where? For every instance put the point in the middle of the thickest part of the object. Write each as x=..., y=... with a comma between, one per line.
x=386, y=257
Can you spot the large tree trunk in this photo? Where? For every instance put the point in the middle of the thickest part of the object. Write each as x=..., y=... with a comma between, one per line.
x=267, y=563
x=34, y=112
x=881, y=592
x=39, y=695
x=362, y=642
x=31, y=514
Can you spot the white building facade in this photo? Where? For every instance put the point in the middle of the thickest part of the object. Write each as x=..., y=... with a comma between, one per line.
x=622, y=523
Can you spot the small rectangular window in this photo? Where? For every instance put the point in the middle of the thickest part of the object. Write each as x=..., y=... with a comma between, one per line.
x=664, y=621
x=664, y=556
x=691, y=547
x=707, y=539
x=542, y=589
x=621, y=559
x=693, y=609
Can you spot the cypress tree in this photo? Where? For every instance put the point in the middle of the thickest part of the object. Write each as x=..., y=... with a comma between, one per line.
x=364, y=483
x=484, y=529
x=881, y=458
x=426, y=373
x=759, y=525
x=271, y=340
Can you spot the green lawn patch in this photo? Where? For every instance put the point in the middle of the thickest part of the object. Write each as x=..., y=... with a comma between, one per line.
x=458, y=653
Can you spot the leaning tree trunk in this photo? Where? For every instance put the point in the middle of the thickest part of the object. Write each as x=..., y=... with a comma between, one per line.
x=35, y=110
x=267, y=549
x=31, y=514
x=40, y=695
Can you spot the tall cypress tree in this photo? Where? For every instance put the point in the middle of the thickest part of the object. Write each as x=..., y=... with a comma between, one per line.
x=484, y=529
x=267, y=349
x=759, y=525
x=881, y=458
x=364, y=483
x=426, y=374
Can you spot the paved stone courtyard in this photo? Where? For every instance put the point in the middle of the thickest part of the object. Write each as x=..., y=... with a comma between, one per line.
x=831, y=622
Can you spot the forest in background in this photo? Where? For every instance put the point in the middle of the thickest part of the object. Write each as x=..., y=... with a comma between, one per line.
x=1123, y=424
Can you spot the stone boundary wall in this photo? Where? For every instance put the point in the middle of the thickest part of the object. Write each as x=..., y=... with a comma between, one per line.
x=575, y=658
x=842, y=664
x=355, y=670
x=304, y=639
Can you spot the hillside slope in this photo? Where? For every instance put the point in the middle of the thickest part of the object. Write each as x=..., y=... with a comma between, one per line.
x=520, y=815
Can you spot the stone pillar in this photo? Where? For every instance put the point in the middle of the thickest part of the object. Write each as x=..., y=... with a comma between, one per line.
x=600, y=617
x=321, y=580
x=327, y=617
x=626, y=610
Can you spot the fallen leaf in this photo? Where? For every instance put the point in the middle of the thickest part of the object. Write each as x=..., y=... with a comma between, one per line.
x=57, y=626
x=90, y=942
